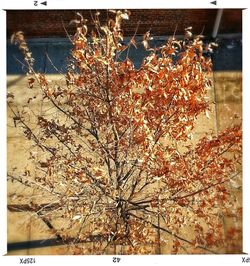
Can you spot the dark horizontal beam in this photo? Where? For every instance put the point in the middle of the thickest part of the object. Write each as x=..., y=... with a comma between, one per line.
x=46, y=242
x=52, y=242
x=33, y=244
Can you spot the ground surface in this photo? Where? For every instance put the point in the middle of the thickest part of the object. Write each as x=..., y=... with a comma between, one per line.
x=225, y=99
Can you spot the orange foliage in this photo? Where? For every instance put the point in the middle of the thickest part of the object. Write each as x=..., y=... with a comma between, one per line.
x=121, y=141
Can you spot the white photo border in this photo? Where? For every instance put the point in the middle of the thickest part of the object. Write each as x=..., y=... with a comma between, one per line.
x=129, y=259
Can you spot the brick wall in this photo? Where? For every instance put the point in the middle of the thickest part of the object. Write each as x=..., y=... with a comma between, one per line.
x=161, y=22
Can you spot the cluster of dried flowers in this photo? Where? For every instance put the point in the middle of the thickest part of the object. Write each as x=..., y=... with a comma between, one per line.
x=114, y=157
